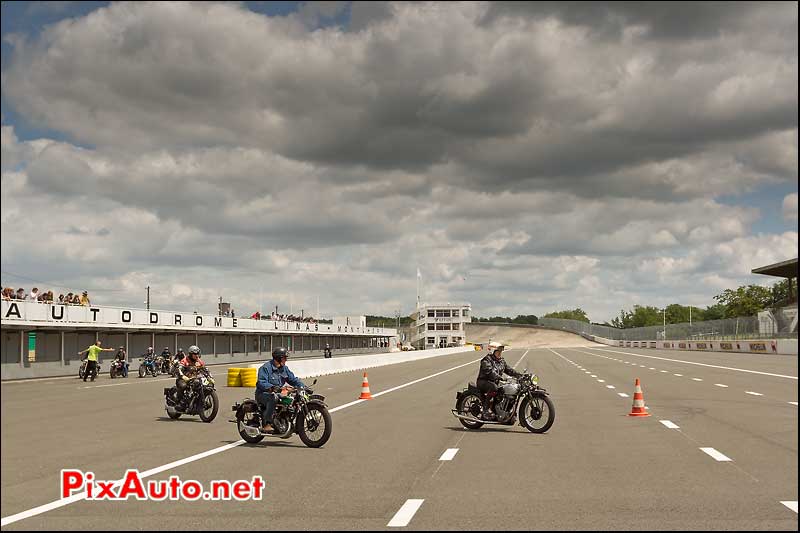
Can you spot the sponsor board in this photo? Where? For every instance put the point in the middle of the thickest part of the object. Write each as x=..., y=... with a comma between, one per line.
x=759, y=347
x=726, y=346
x=702, y=346
x=682, y=345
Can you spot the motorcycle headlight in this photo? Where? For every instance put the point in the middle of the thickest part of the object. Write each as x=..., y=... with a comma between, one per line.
x=535, y=379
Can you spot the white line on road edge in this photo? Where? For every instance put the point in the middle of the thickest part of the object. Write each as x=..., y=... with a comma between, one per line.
x=679, y=375
x=448, y=454
x=791, y=505
x=697, y=379
x=405, y=514
x=716, y=455
x=793, y=403
x=669, y=424
x=601, y=381
x=651, y=368
x=663, y=371
x=699, y=364
x=720, y=385
x=78, y=497
x=623, y=395
x=594, y=375
x=753, y=393
x=610, y=387
x=521, y=358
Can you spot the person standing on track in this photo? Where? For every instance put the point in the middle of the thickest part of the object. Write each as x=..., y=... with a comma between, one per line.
x=93, y=350
x=493, y=366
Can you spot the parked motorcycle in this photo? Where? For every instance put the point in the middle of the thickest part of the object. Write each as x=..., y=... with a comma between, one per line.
x=300, y=411
x=82, y=369
x=200, y=398
x=515, y=397
x=149, y=366
x=163, y=363
x=118, y=369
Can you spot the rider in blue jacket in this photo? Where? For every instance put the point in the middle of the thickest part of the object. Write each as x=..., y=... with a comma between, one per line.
x=272, y=376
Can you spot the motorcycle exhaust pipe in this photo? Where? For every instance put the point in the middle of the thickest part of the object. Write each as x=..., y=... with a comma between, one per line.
x=472, y=419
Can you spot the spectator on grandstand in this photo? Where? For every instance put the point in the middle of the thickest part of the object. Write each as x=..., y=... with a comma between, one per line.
x=61, y=298
x=256, y=315
x=50, y=296
x=21, y=294
x=84, y=299
x=8, y=293
x=68, y=299
x=76, y=300
x=34, y=295
x=42, y=297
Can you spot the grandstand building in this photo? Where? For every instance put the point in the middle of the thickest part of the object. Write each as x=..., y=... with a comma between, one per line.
x=42, y=339
x=440, y=325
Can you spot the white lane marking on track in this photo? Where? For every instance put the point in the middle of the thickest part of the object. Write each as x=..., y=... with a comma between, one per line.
x=693, y=363
x=716, y=455
x=642, y=366
x=129, y=383
x=791, y=505
x=594, y=375
x=793, y=403
x=679, y=375
x=753, y=393
x=720, y=385
x=610, y=387
x=651, y=368
x=402, y=517
x=662, y=371
x=669, y=424
x=521, y=358
x=78, y=497
x=448, y=454
x=601, y=381
x=697, y=379
x=623, y=395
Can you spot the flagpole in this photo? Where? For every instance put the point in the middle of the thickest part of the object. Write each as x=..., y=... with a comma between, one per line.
x=418, y=276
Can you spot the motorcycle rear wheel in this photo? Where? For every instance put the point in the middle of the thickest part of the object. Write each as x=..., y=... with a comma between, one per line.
x=467, y=406
x=252, y=420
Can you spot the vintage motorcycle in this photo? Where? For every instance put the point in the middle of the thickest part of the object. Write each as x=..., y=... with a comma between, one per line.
x=82, y=369
x=149, y=365
x=118, y=369
x=521, y=397
x=300, y=411
x=200, y=398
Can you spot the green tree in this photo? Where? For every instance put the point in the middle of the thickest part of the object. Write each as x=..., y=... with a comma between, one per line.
x=714, y=312
x=747, y=300
x=573, y=314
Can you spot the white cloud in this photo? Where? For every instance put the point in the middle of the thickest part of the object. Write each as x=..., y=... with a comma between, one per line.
x=790, y=208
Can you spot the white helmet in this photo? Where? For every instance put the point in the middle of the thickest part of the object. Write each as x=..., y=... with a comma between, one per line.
x=494, y=346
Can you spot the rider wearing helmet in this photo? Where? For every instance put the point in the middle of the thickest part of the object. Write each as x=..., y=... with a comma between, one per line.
x=493, y=366
x=122, y=355
x=272, y=376
x=187, y=370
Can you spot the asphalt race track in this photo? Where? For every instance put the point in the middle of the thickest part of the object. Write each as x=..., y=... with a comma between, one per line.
x=596, y=468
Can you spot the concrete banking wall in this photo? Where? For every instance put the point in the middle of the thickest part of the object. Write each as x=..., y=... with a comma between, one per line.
x=771, y=346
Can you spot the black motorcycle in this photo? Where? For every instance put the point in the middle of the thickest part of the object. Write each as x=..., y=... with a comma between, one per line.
x=514, y=397
x=301, y=411
x=200, y=398
x=82, y=369
x=327, y=353
x=118, y=368
x=164, y=363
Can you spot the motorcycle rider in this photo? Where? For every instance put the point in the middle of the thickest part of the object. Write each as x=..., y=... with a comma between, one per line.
x=166, y=355
x=271, y=376
x=122, y=355
x=187, y=370
x=493, y=366
x=327, y=353
x=176, y=360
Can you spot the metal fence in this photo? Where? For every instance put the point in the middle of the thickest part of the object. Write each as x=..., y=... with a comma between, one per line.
x=726, y=329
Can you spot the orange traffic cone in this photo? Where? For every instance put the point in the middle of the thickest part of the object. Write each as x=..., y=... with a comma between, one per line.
x=638, y=408
x=365, y=394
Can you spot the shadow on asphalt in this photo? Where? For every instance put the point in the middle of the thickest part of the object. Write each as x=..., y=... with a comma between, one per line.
x=179, y=420
x=269, y=442
x=503, y=429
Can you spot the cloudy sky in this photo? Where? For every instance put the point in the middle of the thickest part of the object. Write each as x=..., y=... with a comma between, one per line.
x=525, y=157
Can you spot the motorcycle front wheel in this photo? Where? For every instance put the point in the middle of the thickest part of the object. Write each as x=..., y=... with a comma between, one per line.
x=209, y=406
x=316, y=427
x=142, y=372
x=470, y=405
x=537, y=413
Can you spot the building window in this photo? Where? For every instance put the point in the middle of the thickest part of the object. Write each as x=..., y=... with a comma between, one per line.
x=431, y=340
x=443, y=327
x=442, y=313
x=431, y=326
x=431, y=313
x=465, y=312
x=457, y=325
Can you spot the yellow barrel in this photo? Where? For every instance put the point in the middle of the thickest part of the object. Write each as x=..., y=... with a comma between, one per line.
x=234, y=377
x=249, y=377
